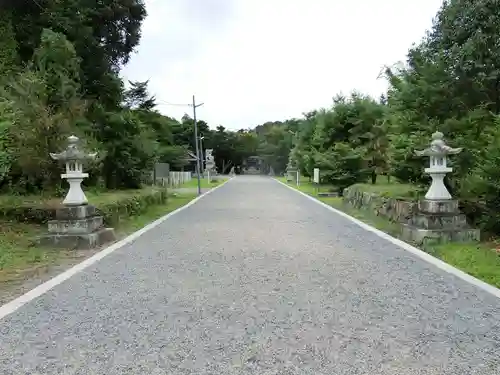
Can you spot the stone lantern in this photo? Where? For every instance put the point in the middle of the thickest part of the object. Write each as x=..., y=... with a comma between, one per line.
x=74, y=158
x=209, y=164
x=437, y=218
x=438, y=168
x=77, y=224
x=292, y=170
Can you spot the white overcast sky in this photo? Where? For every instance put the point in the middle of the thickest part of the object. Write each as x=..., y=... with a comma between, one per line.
x=252, y=61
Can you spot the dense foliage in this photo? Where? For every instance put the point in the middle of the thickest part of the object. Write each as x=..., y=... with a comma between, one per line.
x=59, y=75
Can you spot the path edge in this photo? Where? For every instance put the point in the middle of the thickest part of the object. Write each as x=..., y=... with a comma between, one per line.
x=406, y=246
x=11, y=306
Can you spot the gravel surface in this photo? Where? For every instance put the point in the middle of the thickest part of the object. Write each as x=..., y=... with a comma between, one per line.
x=256, y=279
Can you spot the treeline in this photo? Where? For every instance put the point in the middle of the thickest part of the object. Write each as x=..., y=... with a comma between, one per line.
x=450, y=82
x=59, y=75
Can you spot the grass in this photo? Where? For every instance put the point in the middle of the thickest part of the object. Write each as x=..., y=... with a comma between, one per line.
x=393, y=189
x=19, y=257
x=193, y=183
x=133, y=223
x=481, y=260
x=306, y=186
x=16, y=252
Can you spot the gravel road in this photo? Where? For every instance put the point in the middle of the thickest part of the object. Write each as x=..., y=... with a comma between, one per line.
x=256, y=279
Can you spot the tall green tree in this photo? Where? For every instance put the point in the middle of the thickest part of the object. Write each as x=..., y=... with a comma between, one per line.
x=104, y=35
x=38, y=109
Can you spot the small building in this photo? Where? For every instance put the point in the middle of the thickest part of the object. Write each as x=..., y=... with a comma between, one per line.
x=252, y=165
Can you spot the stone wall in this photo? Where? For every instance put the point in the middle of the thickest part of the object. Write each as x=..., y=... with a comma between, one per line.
x=396, y=210
x=422, y=223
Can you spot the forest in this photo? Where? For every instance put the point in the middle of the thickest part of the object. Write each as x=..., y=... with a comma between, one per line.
x=59, y=74
x=60, y=65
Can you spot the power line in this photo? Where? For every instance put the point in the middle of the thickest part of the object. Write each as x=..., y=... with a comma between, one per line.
x=174, y=104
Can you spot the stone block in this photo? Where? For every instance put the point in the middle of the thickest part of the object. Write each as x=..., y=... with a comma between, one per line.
x=436, y=221
x=75, y=212
x=79, y=241
x=327, y=194
x=422, y=222
x=396, y=210
x=78, y=226
x=438, y=207
x=421, y=236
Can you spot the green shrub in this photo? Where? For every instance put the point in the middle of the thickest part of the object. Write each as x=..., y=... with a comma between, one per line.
x=114, y=211
x=112, y=206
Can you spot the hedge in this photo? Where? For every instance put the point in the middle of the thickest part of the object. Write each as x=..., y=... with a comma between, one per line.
x=112, y=205
x=133, y=205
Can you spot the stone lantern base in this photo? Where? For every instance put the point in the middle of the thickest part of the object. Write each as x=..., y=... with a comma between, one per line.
x=438, y=221
x=209, y=172
x=291, y=175
x=77, y=227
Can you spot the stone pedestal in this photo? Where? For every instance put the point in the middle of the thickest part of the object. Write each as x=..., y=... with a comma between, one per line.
x=437, y=190
x=209, y=173
x=75, y=196
x=438, y=221
x=291, y=175
x=77, y=227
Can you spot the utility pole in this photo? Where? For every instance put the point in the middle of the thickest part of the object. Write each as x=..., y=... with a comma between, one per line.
x=196, y=144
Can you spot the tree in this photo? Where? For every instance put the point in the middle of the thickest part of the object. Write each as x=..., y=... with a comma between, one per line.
x=274, y=147
x=129, y=153
x=137, y=97
x=341, y=166
x=104, y=34
x=39, y=107
x=8, y=46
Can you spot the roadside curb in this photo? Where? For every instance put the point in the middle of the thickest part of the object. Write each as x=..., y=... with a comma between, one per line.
x=419, y=253
x=43, y=288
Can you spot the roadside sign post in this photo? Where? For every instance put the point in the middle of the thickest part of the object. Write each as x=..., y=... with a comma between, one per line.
x=316, y=179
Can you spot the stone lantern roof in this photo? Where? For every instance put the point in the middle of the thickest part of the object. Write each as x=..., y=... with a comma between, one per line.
x=72, y=152
x=438, y=147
